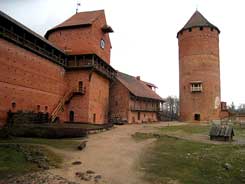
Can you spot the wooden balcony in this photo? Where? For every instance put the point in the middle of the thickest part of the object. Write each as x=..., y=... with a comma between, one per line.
x=75, y=92
x=92, y=61
x=148, y=109
x=80, y=91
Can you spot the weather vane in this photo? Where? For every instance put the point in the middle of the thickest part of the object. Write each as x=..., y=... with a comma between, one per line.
x=197, y=3
x=78, y=4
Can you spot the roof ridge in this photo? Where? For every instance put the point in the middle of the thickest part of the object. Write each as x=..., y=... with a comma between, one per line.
x=79, y=19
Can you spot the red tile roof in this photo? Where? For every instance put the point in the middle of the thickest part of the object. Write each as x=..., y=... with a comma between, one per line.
x=137, y=87
x=79, y=19
x=150, y=84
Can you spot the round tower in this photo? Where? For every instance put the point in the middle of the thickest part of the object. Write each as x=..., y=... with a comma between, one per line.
x=199, y=70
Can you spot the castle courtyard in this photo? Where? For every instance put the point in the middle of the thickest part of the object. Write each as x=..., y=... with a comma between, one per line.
x=144, y=153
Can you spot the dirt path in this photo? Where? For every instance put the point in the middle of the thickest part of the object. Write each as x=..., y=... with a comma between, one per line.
x=111, y=155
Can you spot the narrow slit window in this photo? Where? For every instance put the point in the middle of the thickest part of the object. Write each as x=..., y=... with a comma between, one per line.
x=13, y=105
x=80, y=86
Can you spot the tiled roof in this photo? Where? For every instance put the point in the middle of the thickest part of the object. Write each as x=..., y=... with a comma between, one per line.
x=150, y=84
x=79, y=19
x=198, y=20
x=137, y=87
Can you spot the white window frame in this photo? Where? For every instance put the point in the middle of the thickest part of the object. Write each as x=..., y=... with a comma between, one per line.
x=196, y=86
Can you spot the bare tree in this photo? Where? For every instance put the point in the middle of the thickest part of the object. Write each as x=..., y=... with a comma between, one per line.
x=171, y=108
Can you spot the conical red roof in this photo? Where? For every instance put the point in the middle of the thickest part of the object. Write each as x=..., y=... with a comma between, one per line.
x=198, y=20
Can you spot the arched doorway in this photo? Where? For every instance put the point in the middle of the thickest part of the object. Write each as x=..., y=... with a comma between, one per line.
x=71, y=116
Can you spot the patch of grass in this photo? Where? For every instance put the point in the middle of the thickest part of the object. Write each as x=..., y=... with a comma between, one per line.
x=239, y=132
x=202, y=129
x=68, y=144
x=187, y=129
x=139, y=136
x=14, y=161
x=187, y=162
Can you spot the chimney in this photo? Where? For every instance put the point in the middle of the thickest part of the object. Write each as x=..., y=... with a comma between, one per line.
x=138, y=77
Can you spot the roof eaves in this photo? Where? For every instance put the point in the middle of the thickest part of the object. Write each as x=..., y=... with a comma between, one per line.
x=65, y=27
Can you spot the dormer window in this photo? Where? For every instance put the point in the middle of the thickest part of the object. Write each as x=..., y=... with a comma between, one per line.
x=196, y=86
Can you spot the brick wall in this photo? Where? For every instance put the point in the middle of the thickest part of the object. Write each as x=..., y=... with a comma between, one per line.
x=98, y=99
x=119, y=101
x=28, y=80
x=240, y=118
x=224, y=114
x=199, y=61
x=142, y=117
x=79, y=103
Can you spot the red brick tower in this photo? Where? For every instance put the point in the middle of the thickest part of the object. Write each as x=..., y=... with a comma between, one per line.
x=83, y=33
x=199, y=70
x=84, y=38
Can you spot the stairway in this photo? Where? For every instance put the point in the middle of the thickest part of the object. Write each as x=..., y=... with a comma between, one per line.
x=60, y=105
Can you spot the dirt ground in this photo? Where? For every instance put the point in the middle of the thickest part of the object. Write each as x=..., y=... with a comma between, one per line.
x=111, y=156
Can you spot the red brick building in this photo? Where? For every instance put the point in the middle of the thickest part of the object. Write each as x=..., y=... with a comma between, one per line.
x=133, y=100
x=67, y=75
x=199, y=70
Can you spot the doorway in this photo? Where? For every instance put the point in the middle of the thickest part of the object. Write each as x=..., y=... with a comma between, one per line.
x=71, y=116
x=138, y=115
x=197, y=117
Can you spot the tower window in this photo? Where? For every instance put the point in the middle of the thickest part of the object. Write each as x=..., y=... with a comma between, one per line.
x=201, y=28
x=212, y=29
x=190, y=29
x=196, y=86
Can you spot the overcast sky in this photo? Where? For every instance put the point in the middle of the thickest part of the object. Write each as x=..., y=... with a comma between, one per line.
x=144, y=40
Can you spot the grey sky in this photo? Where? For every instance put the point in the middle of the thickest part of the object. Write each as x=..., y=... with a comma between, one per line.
x=144, y=42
